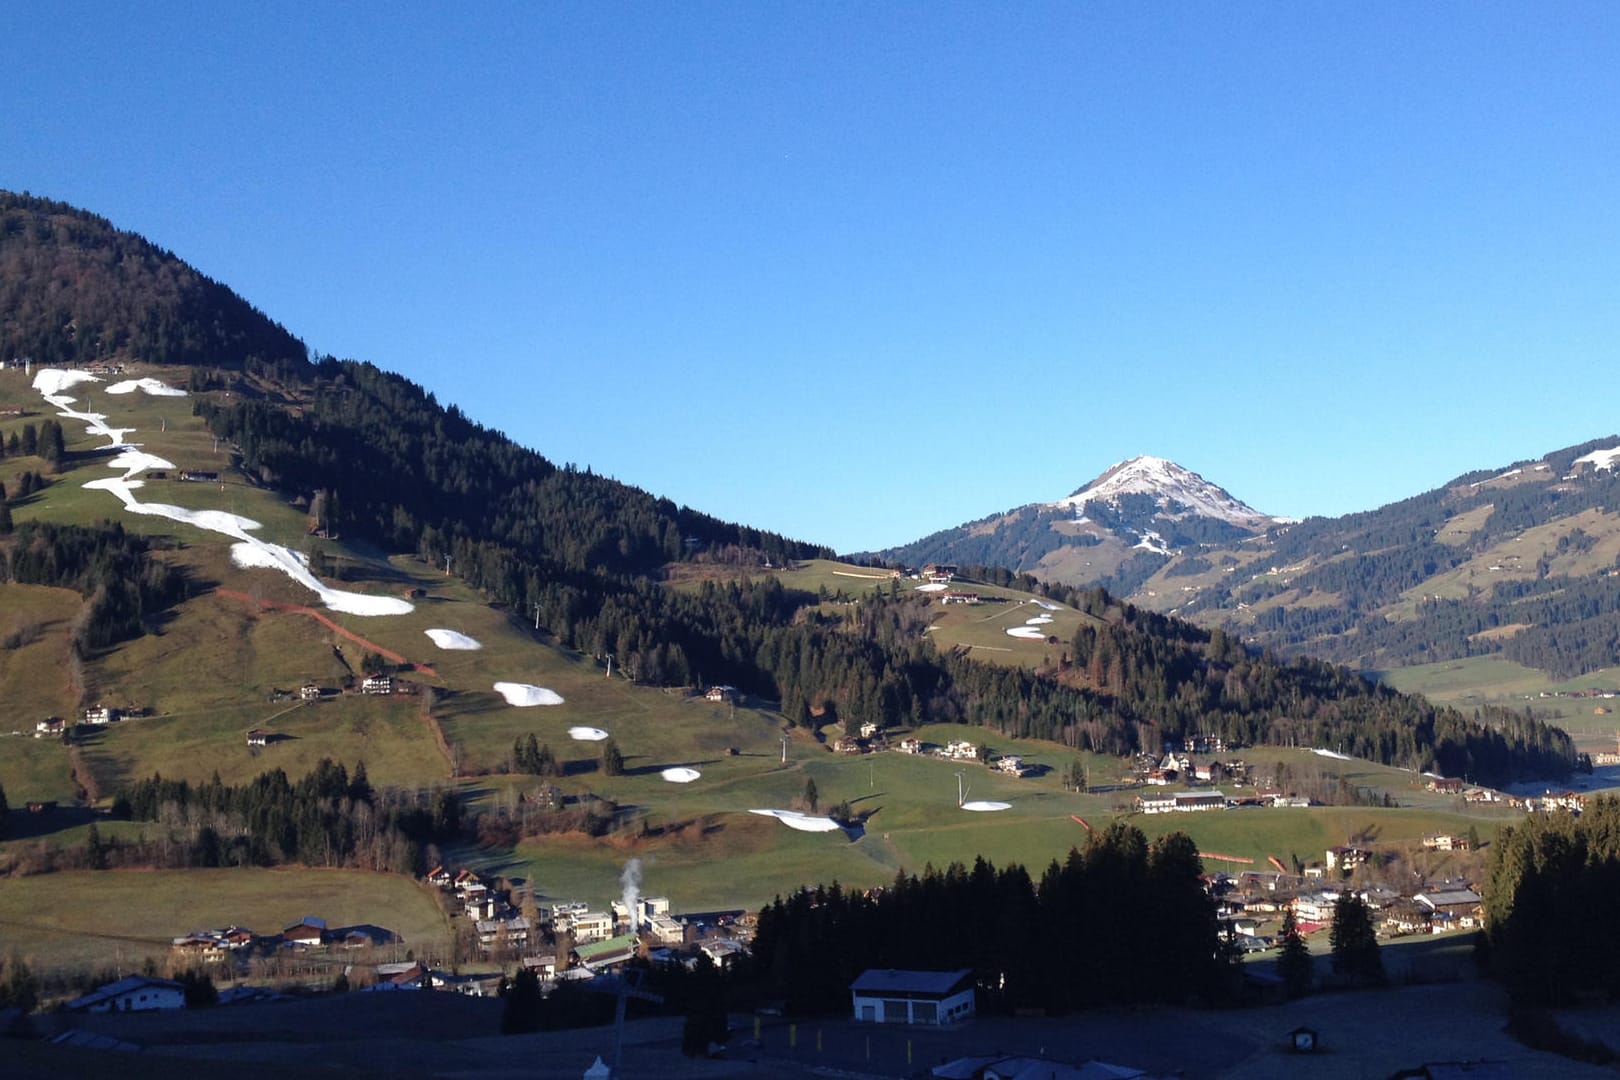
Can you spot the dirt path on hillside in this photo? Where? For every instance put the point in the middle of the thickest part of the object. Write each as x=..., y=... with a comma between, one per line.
x=300, y=609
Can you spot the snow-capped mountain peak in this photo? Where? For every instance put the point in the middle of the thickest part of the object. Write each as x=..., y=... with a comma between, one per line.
x=1178, y=492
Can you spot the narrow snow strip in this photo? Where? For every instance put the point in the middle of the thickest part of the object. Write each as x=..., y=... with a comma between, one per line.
x=1032, y=633
x=1331, y=754
x=984, y=805
x=450, y=639
x=680, y=775
x=154, y=387
x=803, y=822
x=932, y=586
x=1039, y=620
x=248, y=551
x=526, y=695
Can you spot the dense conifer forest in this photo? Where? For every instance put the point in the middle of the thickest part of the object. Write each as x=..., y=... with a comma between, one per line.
x=1122, y=922
x=330, y=817
x=1552, y=881
x=75, y=289
x=123, y=585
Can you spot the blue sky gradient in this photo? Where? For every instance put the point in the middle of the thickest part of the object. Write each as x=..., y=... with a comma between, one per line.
x=859, y=272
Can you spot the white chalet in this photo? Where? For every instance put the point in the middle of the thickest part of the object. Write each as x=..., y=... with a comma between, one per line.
x=134, y=993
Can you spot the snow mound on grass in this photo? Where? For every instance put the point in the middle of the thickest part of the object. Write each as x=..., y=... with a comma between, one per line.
x=587, y=734
x=932, y=586
x=803, y=822
x=1599, y=459
x=450, y=639
x=524, y=695
x=680, y=775
x=986, y=805
x=154, y=387
x=133, y=461
x=1031, y=633
x=1331, y=754
x=1039, y=620
x=51, y=381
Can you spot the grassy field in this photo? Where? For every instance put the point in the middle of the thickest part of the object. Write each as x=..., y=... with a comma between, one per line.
x=1491, y=680
x=92, y=919
x=912, y=819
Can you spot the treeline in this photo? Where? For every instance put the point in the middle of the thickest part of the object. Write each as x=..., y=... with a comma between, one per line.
x=46, y=441
x=1137, y=913
x=113, y=570
x=75, y=289
x=418, y=476
x=327, y=818
x=1553, y=882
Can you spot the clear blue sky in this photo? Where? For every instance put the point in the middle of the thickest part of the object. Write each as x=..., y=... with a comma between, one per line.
x=857, y=272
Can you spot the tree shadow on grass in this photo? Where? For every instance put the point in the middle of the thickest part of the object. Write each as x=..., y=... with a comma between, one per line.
x=24, y=824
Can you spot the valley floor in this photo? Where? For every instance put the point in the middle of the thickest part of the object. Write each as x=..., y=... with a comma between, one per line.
x=1362, y=1034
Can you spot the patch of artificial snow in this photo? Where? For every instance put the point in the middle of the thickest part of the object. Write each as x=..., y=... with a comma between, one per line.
x=1033, y=633
x=51, y=381
x=527, y=695
x=250, y=551
x=982, y=805
x=680, y=775
x=587, y=734
x=1600, y=459
x=1331, y=754
x=154, y=387
x=803, y=822
x=133, y=461
x=450, y=639
x=1039, y=620
x=1047, y=606
x=933, y=586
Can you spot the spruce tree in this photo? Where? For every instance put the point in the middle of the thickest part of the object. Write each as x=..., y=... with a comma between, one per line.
x=1294, y=965
x=1355, y=943
x=612, y=759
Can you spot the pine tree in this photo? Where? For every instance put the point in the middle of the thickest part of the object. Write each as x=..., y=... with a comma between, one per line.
x=1355, y=943
x=1294, y=965
x=612, y=759
x=811, y=796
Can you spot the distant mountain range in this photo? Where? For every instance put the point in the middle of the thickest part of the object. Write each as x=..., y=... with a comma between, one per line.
x=1115, y=531
x=1521, y=560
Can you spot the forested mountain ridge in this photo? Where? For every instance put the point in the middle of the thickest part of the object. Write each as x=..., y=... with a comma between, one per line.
x=74, y=289
x=1519, y=561
x=1522, y=561
x=376, y=458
